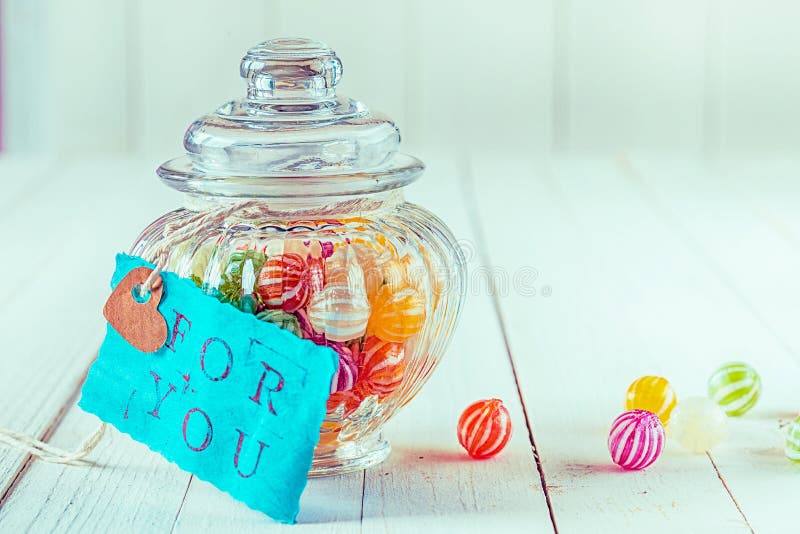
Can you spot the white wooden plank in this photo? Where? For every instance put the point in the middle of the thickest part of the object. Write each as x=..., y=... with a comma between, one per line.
x=634, y=75
x=24, y=27
x=479, y=76
x=81, y=77
x=759, y=269
x=759, y=91
x=622, y=286
x=430, y=483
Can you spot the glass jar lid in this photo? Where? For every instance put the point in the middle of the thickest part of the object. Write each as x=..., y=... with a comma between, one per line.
x=291, y=136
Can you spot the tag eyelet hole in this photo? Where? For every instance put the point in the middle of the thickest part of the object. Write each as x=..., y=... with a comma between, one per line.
x=140, y=296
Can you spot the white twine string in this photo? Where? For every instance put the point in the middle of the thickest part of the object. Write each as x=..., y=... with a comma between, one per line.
x=51, y=454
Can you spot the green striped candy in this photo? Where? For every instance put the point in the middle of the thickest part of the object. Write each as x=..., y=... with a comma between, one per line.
x=735, y=387
x=792, y=448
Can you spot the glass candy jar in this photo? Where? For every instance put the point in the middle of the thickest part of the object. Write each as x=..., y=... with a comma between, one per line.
x=317, y=237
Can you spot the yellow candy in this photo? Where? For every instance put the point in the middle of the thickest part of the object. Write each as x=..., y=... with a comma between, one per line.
x=397, y=315
x=651, y=393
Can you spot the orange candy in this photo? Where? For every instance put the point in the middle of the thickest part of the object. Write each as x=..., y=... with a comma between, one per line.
x=397, y=315
x=350, y=399
x=329, y=433
x=382, y=366
x=484, y=428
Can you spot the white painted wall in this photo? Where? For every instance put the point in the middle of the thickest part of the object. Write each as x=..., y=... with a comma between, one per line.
x=710, y=76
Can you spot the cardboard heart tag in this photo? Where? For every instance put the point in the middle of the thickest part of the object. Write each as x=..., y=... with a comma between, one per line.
x=139, y=323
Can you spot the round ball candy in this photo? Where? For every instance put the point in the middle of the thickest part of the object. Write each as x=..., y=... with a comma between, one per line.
x=636, y=439
x=735, y=387
x=346, y=375
x=307, y=331
x=397, y=315
x=283, y=282
x=651, y=393
x=339, y=312
x=484, y=428
x=698, y=424
x=792, y=447
x=382, y=366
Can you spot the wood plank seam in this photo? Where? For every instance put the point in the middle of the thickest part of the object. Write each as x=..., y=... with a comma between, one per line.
x=363, y=491
x=45, y=436
x=180, y=506
x=728, y=490
x=470, y=201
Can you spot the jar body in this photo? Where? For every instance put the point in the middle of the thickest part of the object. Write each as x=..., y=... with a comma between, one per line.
x=376, y=279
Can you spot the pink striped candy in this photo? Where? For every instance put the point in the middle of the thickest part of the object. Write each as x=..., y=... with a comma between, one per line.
x=307, y=331
x=484, y=428
x=283, y=282
x=347, y=373
x=636, y=439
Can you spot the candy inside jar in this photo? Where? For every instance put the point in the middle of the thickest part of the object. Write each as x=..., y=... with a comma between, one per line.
x=317, y=238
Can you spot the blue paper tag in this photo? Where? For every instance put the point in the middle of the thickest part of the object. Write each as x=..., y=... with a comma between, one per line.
x=234, y=400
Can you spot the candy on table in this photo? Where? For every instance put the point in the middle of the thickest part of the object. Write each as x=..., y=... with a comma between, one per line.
x=636, y=439
x=792, y=447
x=735, y=387
x=698, y=424
x=383, y=364
x=484, y=428
x=347, y=373
x=287, y=321
x=339, y=311
x=283, y=282
x=651, y=393
x=397, y=315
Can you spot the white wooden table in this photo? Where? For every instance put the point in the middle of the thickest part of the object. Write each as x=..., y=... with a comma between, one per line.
x=603, y=269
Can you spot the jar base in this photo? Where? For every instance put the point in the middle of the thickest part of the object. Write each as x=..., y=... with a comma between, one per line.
x=350, y=456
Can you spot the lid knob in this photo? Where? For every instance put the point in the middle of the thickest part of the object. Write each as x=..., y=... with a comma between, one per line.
x=291, y=69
